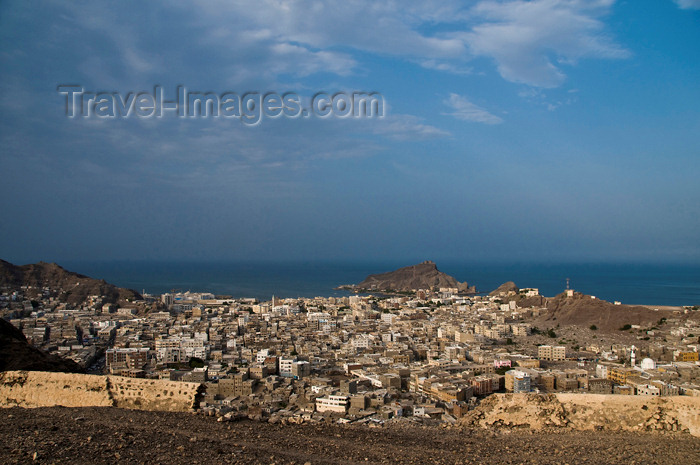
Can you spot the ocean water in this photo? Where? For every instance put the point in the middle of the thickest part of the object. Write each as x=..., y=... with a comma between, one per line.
x=653, y=284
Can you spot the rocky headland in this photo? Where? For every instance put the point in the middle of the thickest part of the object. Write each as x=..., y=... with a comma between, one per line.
x=424, y=275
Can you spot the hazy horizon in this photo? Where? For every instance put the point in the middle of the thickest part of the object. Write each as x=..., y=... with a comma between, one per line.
x=658, y=284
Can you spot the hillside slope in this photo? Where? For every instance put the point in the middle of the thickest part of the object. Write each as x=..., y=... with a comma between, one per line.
x=17, y=354
x=110, y=435
x=73, y=288
x=583, y=310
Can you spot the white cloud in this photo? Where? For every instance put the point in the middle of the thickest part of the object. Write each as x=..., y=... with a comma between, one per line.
x=530, y=40
x=538, y=96
x=466, y=110
x=444, y=65
x=405, y=127
x=274, y=59
x=688, y=4
x=385, y=27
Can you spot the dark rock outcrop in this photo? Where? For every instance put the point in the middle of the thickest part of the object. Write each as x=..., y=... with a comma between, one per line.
x=17, y=354
x=421, y=276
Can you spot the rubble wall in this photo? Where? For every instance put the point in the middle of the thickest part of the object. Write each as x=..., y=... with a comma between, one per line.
x=588, y=412
x=42, y=389
x=154, y=394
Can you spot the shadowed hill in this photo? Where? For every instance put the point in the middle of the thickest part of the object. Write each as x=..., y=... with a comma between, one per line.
x=17, y=354
x=73, y=288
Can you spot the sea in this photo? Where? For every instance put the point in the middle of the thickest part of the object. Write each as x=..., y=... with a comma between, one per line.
x=634, y=284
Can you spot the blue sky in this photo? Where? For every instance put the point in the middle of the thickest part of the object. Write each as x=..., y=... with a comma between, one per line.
x=547, y=130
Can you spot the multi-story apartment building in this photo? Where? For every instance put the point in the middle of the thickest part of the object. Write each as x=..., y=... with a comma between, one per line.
x=126, y=358
x=556, y=353
x=285, y=366
x=168, y=350
x=521, y=382
x=679, y=356
x=619, y=375
x=600, y=386
x=336, y=404
x=518, y=381
x=237, y=385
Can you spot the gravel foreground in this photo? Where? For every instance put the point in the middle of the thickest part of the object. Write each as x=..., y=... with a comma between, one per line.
x=110, y=435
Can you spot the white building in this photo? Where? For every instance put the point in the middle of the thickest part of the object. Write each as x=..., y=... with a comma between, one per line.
x=530, y=291
x=286, y=366
x=361, y=341
x=191, y=347
x=336, y=404
x=648, y=390
x=262, y=355
x=648, y=364
x=167, y=299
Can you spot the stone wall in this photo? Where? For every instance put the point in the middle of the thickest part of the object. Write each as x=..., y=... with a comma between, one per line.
x=154, y=394
x=43, y=389
x=588, y=412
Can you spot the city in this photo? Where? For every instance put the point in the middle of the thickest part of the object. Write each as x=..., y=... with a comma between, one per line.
x=426, y=357
x=220, y=176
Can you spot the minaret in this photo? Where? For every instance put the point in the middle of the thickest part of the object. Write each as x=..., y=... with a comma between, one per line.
x=632, y=356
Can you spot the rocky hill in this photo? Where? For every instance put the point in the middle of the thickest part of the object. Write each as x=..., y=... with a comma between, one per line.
x=505, y=289
x=17, y=354
x=579, y=310
x=583, y=310
x=72, y=288
x=421, y=276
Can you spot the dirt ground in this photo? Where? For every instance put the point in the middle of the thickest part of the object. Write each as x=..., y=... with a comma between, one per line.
x=109, y=435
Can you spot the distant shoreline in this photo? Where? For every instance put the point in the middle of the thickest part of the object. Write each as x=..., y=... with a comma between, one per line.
x=653, y=285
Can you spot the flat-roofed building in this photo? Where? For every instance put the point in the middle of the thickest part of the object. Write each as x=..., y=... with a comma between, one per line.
x=518, y=381
x=481, y=385
x=556, y=353
x=237, y=385
x=600, y=386
x=619, y=375
x=126, y=358
x=685, y=356
x=332, y=403
x=548, y=382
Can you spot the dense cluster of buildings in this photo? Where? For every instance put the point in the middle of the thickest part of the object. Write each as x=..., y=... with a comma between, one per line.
x=357, y=357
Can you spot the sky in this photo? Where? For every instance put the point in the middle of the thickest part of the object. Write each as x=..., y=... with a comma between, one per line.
x=540, y=130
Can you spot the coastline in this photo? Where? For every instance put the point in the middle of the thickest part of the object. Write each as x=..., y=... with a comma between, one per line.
x=657, y=285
